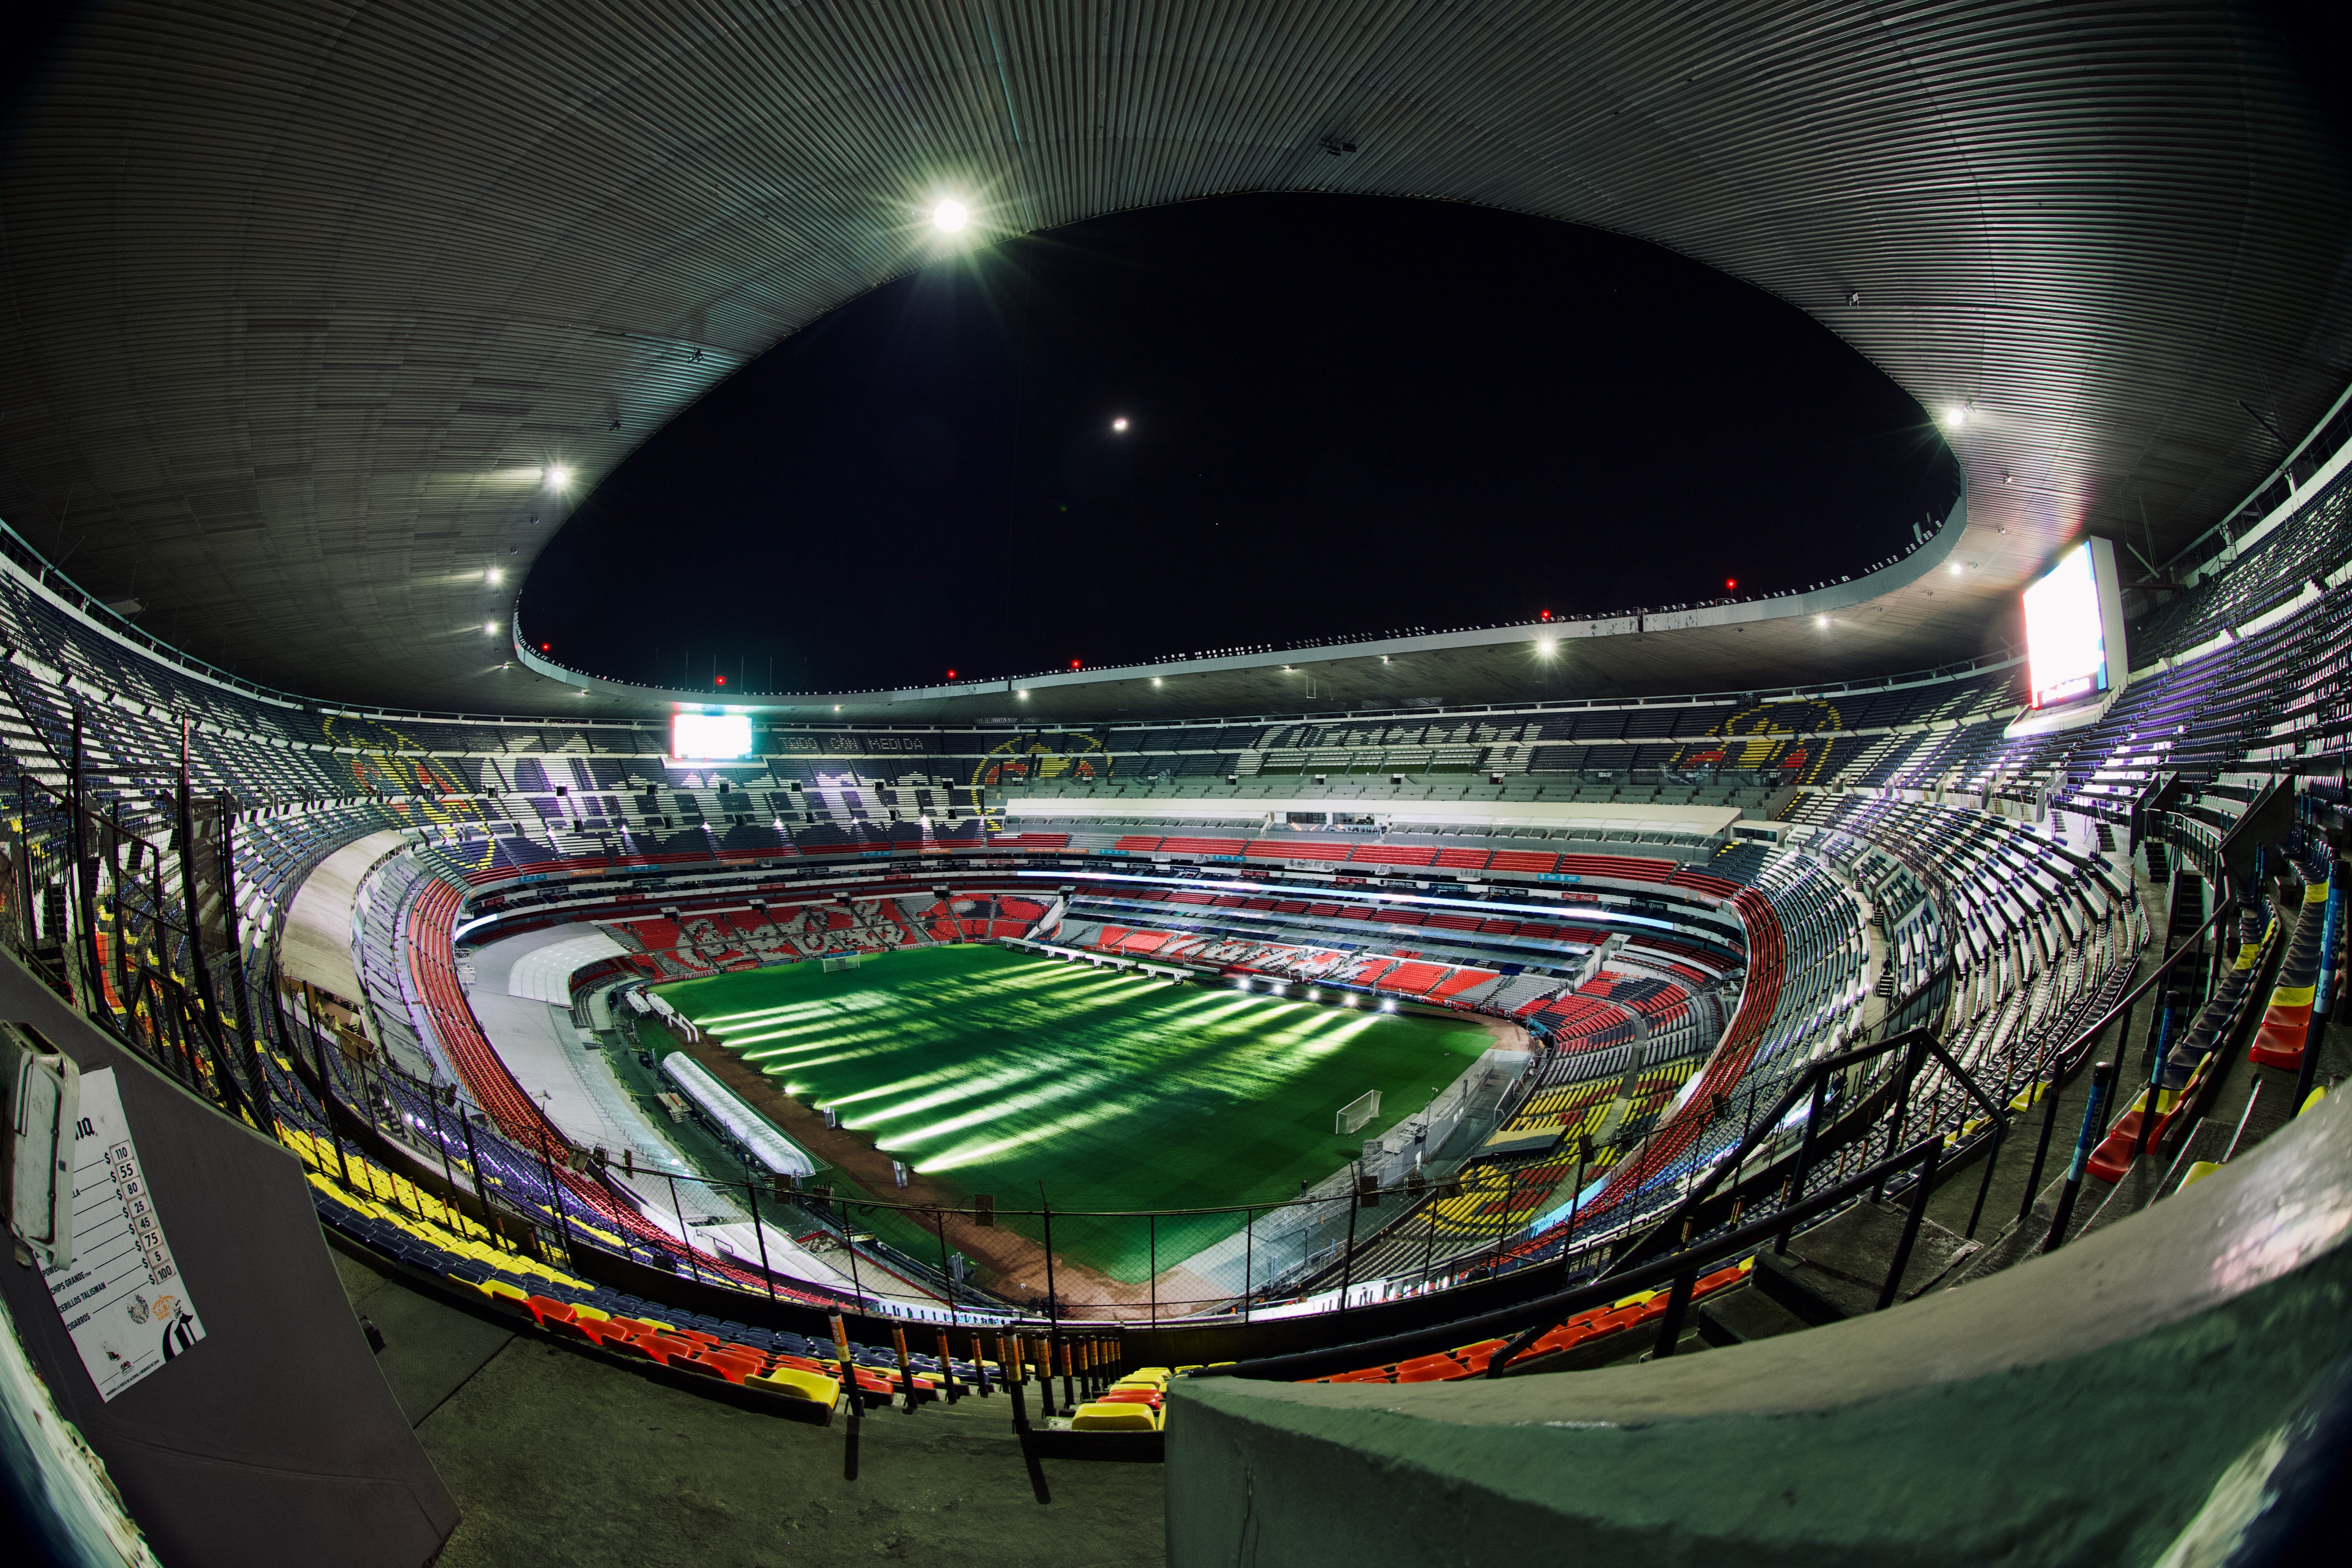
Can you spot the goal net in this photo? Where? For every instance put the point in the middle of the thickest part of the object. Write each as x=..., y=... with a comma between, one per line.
x=1356, y=1113
x=833, y=961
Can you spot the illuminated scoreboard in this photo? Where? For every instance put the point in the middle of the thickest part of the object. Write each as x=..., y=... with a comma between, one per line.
x=2074, y=629
x=710, y=736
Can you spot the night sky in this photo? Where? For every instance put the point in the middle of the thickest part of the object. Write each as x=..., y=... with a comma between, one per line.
x=1346, y=415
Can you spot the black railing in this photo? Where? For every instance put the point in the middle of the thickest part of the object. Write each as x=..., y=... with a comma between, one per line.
x=1528, y=1323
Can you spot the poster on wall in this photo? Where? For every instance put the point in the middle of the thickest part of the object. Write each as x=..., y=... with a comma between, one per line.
x=122, y=1297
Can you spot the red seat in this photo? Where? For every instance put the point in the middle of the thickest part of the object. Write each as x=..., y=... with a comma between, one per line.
x=1150, y=1396
x=733, y=1368
x=545, y=1310
x=662, y=1348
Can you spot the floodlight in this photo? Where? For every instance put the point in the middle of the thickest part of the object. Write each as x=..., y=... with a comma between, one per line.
x=1119, y=423
x=1545, y=649
x=1820, y=620
x=491, y=577
x=950, y=215
x=559, y=476
x=489, y=628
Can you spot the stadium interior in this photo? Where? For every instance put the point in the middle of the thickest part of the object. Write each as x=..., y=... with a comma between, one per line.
x=1815, y=1076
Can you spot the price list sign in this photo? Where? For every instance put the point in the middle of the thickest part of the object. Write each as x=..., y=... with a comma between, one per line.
x=122, y=1297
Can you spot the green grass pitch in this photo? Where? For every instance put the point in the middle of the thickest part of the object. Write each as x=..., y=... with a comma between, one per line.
x=994, y=1072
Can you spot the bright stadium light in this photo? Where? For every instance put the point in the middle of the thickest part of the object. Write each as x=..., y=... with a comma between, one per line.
x=1545, y=648
x=559, y=476
x=491, y=577
x=1155, y=680
x=1956, y=415
x=950, y=215
x=1820, y=620
x=489, y=628
x=1119, y=424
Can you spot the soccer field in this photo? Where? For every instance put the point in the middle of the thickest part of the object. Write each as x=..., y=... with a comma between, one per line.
x=994, y=1072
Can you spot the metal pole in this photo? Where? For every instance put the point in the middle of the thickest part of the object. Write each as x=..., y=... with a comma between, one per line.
x=555, y=1193
x=1347, y=1258
x=1249, y=1258
x=1151, y=1241
x=684, y=1235
x=441, y=1145
x=1927, y=1185
x=841, y=1212
x=2160, y=1037
x=760, y=1234
x=1052, y=1304
x=1576, y=1193
x=1804, y=1156
x=947, y=1274
x=1975, y=1211
x=2102, y=1076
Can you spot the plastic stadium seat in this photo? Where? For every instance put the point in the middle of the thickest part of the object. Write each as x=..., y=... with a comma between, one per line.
x=794, y=1383
x=735, y=1366
x=1133, y=1396
x=1100, y=1416
x=544, y=1310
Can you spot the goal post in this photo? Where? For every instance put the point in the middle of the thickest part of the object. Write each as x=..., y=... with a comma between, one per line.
x=1356, y=1113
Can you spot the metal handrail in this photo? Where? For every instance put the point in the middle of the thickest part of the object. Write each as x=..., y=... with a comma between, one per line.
x=1532, y=1318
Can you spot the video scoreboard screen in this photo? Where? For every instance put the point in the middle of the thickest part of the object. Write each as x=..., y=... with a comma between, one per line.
x=2074, y=628
x=710, y=736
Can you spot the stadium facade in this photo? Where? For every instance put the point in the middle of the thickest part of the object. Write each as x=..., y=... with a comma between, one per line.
x=1833, y=984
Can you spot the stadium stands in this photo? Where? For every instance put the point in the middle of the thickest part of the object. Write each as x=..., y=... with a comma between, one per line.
x=1918, y=866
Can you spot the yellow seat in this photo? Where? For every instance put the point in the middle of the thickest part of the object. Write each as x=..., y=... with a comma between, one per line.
x=1117, y=1418
x=2199, y=1172
x=498, y=1290
x=794, y=1383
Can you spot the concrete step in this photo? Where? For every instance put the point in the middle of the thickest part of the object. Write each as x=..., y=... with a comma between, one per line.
x=1844, y=1261
x=1736, y=1317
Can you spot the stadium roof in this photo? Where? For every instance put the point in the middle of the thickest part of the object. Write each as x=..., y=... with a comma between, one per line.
x=302, y=303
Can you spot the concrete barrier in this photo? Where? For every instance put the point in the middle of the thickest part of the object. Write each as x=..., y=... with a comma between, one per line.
x=2174, y=1387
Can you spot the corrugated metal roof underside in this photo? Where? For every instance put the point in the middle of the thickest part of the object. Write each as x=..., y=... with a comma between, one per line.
x=299, y=299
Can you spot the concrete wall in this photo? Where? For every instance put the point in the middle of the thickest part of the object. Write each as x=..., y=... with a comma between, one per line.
x=274, y=1440
x=2090, y=1406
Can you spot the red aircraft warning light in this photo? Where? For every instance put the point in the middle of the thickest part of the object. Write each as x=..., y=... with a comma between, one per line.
x=543, y=647
x=952, y=674
x=723, y=680
x=1730, y=584
x=1074, y=663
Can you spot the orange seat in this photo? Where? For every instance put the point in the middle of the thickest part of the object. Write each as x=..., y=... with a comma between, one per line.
x=733, y=1368
x=545, y=1310
x=1564, y=1337
x=1131, y=1397
x=1446, y=1364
